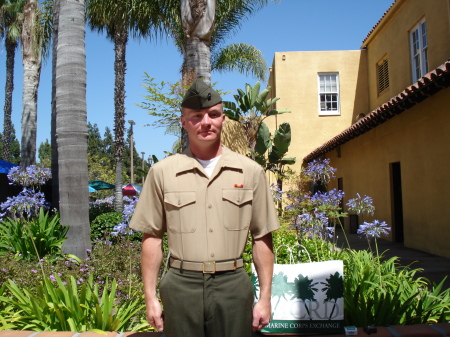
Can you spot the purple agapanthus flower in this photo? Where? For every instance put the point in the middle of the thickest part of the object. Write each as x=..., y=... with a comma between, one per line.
x=320, y=170
x=361, y=205
x=32, y=176
x=314, y=224
x=332, y=198
x=128, y=210
x=24, y=205
x=373, y=229
x=277, y=194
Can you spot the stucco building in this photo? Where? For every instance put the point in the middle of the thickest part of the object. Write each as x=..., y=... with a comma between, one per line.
x=382, y=115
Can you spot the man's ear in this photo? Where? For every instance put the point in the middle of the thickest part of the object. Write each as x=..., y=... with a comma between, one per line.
x=182, y=121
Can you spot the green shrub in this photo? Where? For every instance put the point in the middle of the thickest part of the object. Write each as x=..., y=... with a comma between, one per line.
x=61, y=306
x=103, y=225
x=34, y=238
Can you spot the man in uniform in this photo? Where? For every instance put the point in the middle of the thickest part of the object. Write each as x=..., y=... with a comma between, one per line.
x=207, y=199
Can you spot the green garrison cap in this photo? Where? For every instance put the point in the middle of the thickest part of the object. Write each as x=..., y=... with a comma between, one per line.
x=200, y=96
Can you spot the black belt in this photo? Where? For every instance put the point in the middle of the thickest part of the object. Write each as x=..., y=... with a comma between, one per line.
x=208, y=267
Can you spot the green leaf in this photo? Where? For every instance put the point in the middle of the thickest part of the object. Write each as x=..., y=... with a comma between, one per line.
x=262, y=139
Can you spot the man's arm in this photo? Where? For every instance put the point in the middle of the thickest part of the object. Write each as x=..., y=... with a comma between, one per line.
x=263, y=260
x=151, y=258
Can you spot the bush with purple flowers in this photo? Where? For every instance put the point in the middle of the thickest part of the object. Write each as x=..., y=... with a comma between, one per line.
x=27, y=203
x=109, y=225
x=315, y=215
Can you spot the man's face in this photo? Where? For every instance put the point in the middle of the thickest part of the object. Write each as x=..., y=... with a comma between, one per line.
x=203, y=125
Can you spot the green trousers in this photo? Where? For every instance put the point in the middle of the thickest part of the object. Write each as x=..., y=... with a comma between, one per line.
x=207, y=305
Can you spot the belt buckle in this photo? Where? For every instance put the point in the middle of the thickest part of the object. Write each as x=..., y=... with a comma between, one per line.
x=206, y=269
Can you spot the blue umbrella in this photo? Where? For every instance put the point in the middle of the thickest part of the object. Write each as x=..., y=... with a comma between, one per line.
x=5, y=166
x=91, y=189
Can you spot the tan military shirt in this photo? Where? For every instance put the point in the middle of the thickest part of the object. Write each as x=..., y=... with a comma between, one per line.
x=206, y=218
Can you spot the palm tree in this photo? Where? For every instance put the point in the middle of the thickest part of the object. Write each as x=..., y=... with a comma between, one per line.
x=11, y=14
x=119, y=19
x=70, y=124
x=35, y=36
x=205, y=25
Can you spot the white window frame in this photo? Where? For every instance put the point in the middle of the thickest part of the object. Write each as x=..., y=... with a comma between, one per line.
x=329, y=91
x=419, y=50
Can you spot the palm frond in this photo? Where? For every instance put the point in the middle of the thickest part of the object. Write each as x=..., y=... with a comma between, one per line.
x=241, y=57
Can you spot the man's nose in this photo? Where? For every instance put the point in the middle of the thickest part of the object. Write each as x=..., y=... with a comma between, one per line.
x=206, y=120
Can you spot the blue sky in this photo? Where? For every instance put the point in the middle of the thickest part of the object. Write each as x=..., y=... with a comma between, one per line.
x=289, y=25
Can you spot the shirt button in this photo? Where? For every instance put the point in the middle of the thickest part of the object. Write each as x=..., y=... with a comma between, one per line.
x=212, y=254
x=211, y=230
x=179, y=202
x=209, y=206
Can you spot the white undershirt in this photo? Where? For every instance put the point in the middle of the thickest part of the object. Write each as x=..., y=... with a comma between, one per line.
x=209, y=164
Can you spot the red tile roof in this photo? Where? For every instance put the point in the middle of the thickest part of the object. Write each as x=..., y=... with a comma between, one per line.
x=427, y=86
x=379, y=21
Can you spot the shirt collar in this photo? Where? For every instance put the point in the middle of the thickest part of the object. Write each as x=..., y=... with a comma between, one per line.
x=229, y=159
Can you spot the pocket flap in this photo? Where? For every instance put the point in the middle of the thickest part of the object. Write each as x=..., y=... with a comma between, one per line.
x=237, y=196
x=179, y=199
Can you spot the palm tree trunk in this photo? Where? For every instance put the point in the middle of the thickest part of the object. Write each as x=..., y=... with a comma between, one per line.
x=120, y=43
x=9, y=88
x=31, y=60
x=71, y=126
x=197, y=61
x=54, y=145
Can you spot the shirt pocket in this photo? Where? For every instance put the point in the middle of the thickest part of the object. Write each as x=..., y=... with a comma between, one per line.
x=180, y=211
x=237, y=208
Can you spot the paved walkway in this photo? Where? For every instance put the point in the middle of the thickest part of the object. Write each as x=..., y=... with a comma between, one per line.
x=435, y=268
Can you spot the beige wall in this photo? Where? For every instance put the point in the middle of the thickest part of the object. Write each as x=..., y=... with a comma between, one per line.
x=391, y=39
x=419, y=139
x=294, y=77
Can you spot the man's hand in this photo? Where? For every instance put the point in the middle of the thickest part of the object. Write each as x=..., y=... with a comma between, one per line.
x=151, y=261
x=154, y=314
x=261, y=314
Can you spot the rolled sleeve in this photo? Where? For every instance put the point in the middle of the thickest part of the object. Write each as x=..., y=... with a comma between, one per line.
x=149, y=214
x=264, y=217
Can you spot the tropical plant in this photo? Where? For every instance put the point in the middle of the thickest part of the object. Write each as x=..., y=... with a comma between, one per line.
x=119, y=19
x=61, y=306
x=35, y=38
x=199, y=29
x=250, y=110
x=69, y=124
x=11, y=16
x=34, y=238
x=276, y=149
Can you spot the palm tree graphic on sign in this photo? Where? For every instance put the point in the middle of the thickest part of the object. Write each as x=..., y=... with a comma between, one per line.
x=334, y=288
x=304, y=290
x=280, y=287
